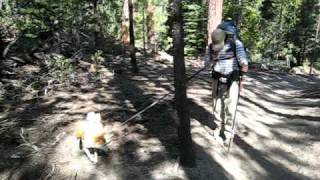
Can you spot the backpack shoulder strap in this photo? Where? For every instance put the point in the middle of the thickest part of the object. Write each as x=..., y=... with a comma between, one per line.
x=234, y=49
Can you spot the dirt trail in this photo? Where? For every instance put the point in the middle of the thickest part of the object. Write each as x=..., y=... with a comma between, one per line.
x=278, y=137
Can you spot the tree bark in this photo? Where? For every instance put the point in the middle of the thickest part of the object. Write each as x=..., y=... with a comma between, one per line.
x=2, y=47
x=150, y=27
x=316, y=42
x=214, y=16
x=143, y=28
x=95, y=34
x=132, y=43
x=237, y=15
x=125, y=23
x=279, y=33
x=187, y=158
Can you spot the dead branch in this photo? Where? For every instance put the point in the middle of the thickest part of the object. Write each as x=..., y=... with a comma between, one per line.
x=58, y=137
x=6, y=50
x=26, y=142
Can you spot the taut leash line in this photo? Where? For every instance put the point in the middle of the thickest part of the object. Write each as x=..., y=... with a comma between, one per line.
x=154, y=103
x=159, y=100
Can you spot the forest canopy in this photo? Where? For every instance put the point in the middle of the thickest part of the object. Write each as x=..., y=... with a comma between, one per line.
x=270, y=29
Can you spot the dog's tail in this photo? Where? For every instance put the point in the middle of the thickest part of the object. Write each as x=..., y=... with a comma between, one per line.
x=79, y=133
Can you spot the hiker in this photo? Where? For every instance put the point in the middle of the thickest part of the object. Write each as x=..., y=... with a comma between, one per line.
x=229, y=62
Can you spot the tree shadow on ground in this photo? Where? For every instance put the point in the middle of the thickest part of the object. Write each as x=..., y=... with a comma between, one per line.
x=132, y=93
x=279, y=81
x=207, y=167
x=273, y=170
x=202, y=115
x=25, y=116
x=159, y=124
x=41, y=120
x=287, y=116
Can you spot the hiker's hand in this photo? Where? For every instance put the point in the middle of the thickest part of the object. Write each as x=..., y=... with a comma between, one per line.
x=244, y=68
x=243, y=77
x=198, y=63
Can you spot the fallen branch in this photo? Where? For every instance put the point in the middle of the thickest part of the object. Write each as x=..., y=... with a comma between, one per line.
x=26, y=142
x=58, y=137
x=6, y=50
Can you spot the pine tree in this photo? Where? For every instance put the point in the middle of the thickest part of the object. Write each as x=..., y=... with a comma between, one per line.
x=186, y=150
x=151, y=34
x=214, y=16
x=132, y=42
x=125, y=23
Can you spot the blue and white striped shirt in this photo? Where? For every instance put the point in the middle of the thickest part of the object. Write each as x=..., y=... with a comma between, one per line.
x=224, y=61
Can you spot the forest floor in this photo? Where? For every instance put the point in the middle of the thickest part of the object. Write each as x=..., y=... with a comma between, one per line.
x=278, y=134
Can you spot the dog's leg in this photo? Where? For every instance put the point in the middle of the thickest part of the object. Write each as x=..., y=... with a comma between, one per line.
x=80, y=144
x=95, y=156
x=91, y=158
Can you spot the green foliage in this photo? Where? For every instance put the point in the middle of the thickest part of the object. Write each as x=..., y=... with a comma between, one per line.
x=97, y=57
x=97, y=60
x=265, y=25
x=7, y=27
x=160, y=19
x=270, y=29
x=60, y=67
x=304, y=33
x=249, y=29
x=37, y=16
x=194, y=27
x=140, y=21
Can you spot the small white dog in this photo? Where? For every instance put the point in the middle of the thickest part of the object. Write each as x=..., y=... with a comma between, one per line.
x=91, y=136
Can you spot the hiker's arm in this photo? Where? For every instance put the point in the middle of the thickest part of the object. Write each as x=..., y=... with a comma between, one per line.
x=203, y=62
x=242, y=56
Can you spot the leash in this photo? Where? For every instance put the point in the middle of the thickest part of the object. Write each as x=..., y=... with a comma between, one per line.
x=195, y=74
x=154, y=103
x=159, y=100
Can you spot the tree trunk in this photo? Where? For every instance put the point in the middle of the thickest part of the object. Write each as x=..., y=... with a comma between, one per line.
x=150, y=27
x=2, y=47
x=316, y=42
x=311, y=65
x=132, y=43
x=279, y=33
x=214, y=16
x=187, y=158
x=144, y=29
x=303, y=52
x=125, y=23
x=237, y=15
x=95, y=34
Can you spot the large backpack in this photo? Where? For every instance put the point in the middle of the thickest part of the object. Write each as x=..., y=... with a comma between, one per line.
x=230, y=29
